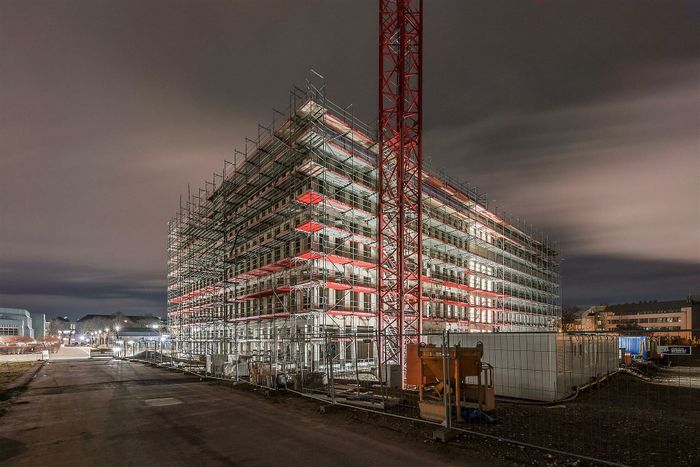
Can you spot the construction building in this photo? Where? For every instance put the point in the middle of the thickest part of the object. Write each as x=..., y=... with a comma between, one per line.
x=283, y=243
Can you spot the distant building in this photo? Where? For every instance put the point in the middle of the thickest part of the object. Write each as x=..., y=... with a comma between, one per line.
x=590, y=319
x=16, y=322
x=118, y=319
x=139, y=333
x=61, y=327
x=673, y=318
x=39, y=325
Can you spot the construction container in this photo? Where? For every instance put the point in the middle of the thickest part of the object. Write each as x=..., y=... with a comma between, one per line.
x=542, y=366
x=637, y=346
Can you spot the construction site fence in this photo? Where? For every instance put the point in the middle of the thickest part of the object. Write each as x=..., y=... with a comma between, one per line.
x=630, y=398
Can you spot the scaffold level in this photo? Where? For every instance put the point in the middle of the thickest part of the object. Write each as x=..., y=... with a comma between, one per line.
x=284, y=241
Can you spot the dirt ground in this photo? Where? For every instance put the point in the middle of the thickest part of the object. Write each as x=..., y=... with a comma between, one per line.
x=626, y=420
x=9, y=371
x=463, y=449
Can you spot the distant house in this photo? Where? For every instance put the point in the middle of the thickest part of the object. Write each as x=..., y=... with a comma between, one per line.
x=590, y=319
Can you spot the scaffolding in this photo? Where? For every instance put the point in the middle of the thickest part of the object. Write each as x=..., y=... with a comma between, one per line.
x=277, y=253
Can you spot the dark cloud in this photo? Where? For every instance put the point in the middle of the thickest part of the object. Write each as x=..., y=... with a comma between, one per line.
x=617, y=176
x=578, y=116
x=79, y=282
x=599, y=279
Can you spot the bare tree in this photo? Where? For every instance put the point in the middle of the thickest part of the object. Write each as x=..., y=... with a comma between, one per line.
x=569, y=315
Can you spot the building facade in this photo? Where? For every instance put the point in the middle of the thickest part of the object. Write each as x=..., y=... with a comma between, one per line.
x=671, y=318
x=283, y=242
x=39, y=325
x=16, y=322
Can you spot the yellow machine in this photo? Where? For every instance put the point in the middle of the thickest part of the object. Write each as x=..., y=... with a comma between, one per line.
x=427, y=366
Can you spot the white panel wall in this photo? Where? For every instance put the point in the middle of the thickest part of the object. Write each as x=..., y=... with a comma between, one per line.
x=584, y=359
x=541, y=366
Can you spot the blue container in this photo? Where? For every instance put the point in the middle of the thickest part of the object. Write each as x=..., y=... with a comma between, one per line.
x=636, y=345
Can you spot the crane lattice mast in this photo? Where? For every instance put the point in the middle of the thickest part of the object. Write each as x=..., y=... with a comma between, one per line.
x=400, y=172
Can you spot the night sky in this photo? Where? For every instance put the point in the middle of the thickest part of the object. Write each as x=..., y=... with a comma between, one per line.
x=581, y=117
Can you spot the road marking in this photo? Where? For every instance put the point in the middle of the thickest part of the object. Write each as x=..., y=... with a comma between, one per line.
x=163, y=401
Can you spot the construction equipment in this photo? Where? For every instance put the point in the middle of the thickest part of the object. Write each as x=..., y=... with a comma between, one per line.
x=440, y=373
x=400, y=178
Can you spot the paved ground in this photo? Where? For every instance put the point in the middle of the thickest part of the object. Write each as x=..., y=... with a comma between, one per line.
x=108, y=412
x=67, y=353
x=64, y=353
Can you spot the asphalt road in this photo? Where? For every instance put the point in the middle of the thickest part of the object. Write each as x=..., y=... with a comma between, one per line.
x=109, y=412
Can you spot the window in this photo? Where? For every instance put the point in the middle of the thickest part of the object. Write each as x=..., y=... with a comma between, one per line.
x=354, y=300
x=9, y=331
x=339, y=299
x=368, y=302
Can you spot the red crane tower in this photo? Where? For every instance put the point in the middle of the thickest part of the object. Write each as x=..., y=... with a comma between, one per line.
x=400, y=171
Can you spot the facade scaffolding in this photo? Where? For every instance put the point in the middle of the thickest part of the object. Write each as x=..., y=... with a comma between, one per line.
x=281, y=246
